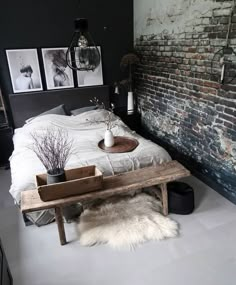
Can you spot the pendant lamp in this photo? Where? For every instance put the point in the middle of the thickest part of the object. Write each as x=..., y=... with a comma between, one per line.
x=82, y=53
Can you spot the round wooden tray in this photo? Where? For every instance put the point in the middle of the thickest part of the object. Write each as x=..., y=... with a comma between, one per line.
x=122, y=144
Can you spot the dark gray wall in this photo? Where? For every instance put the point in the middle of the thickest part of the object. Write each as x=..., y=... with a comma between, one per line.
x=36, y=24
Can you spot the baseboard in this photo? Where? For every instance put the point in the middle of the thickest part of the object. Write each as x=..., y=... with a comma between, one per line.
x=214, y=185
x=194, y=166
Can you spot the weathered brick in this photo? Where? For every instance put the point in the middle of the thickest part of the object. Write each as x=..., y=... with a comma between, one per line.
x=230, y=111
x=176, y=83
x=221, y=12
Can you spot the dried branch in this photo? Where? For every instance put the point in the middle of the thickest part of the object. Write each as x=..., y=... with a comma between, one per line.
x=97, y=103
x=108, y=120
x=53, y=148
x=128, y=60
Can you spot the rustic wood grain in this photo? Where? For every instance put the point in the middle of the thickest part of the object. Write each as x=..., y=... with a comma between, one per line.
x=78, y=181
x=164, y=195
x=122, y=144
x=112, y=185
x=60, y=225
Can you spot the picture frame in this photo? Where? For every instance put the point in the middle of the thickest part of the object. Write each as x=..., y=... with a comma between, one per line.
x=24, y=70
x=91, y=78
x=58, y=75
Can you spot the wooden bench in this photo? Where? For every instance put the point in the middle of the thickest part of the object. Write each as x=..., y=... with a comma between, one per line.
x=112, y=185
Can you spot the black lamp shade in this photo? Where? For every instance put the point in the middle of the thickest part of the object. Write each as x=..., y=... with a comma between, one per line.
x=81, y=24
x=82, y=53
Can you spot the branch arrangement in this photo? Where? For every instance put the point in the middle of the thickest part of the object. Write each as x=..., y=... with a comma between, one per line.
x=128, y=61
x=53, y=148
x=108, y=119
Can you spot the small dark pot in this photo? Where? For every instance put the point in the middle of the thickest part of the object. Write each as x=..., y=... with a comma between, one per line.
x=57, y=176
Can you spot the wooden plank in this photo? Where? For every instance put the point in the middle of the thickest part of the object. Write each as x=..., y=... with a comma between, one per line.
x=164, y=195
x=82, y=172
x=112, y=185
x=60, y=225
x=78, y=181
x=71, y=174
x=146, y=177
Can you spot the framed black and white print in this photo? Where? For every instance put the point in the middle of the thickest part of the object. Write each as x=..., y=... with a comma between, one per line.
x=24, y=70
x=58, y=75
x=90, y=78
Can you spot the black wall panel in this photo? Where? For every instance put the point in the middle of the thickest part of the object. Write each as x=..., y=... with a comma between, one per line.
x=36, y=24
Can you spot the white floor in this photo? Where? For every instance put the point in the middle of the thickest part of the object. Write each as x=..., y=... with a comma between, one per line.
x=203, y=254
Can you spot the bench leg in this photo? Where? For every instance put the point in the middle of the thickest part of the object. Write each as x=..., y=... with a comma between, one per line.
x=164, y=195
x=26, y=220
x=60, y=225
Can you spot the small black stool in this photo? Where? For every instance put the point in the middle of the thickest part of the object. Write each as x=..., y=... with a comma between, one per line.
x=180, y=198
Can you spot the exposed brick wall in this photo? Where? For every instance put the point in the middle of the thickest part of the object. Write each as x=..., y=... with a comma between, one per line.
x=180, y=102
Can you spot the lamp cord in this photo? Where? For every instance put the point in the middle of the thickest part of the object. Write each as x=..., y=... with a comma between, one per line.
x=230, y=23
x=78, y=3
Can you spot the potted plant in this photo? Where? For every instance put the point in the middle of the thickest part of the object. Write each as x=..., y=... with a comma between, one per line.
x=53, y=148
x=128, y=61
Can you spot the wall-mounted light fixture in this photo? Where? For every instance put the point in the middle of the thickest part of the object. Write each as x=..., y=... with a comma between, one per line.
x=223, y=62
x=82, y=53
x=116, y=88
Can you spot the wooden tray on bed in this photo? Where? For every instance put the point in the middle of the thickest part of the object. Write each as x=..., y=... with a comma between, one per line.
x=122, y=144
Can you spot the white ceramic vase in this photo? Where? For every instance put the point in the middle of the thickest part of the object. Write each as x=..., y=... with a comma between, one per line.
x=108, y=138
x=130, y=103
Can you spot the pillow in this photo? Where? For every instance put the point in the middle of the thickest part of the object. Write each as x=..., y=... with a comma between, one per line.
x=94, y=116
x=82, y=110
x=59, y=110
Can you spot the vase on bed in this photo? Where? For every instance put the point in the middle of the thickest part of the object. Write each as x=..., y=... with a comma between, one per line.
x=108, y=138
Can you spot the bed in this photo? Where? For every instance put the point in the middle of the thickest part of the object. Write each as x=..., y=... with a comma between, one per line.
x=86, y=130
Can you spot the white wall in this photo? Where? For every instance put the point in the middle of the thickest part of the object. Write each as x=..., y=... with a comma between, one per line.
x=171, y=16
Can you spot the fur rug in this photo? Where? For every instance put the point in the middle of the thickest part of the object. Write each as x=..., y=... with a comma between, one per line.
x=125, y=222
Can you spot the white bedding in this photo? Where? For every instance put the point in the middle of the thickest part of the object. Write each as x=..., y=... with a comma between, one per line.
x=86, y=135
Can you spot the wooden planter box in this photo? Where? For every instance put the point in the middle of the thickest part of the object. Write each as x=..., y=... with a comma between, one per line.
x=78, y=181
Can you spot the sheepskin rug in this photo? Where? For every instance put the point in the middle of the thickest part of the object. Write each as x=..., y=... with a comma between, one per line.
x=125, y=222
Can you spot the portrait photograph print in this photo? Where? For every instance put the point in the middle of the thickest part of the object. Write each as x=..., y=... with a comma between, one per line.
x=24, y=70
x=58, y=74
x=89, y=78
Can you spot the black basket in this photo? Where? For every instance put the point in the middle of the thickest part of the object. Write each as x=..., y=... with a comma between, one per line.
x=180, y=198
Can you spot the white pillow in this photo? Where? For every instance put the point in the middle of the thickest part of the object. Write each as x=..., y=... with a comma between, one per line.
x=95, y=116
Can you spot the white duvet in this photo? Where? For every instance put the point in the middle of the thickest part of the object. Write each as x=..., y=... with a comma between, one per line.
x=86, y=131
